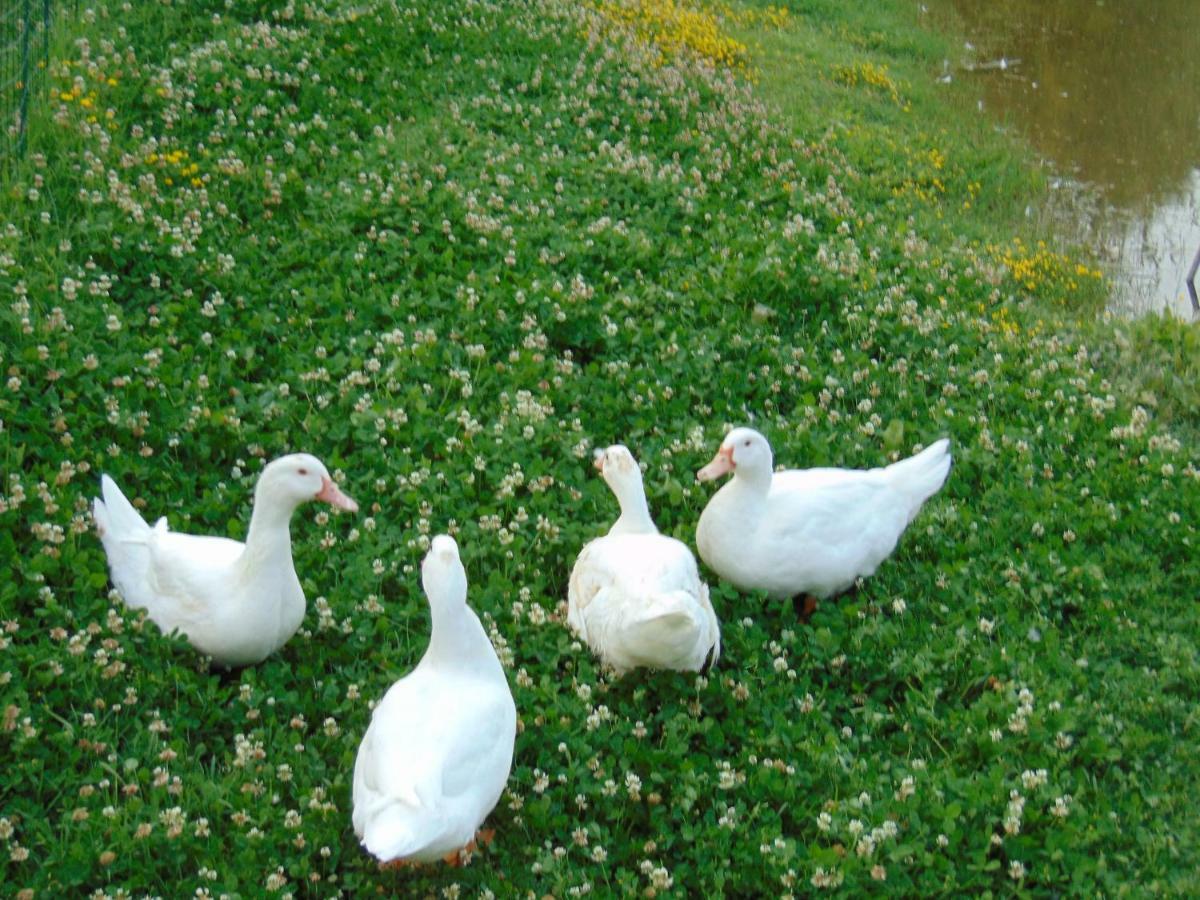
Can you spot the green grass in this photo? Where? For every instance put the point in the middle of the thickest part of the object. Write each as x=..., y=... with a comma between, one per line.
x=914, y=143
x=450, y=249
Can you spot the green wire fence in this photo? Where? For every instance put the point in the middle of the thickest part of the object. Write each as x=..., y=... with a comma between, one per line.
x=24, y=57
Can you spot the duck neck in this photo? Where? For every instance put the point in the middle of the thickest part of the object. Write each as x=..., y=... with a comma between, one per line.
x=754, y=482
x=268, y=536
x=455, y=637
x=635, y=512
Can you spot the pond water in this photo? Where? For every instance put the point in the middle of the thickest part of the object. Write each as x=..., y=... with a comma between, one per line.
x=1109, y=92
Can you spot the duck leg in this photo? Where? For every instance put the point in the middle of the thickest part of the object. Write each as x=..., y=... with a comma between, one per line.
x=459, y=858
x=804, y=604
x=396, y=865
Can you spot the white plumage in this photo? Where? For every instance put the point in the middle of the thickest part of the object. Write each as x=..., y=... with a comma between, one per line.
x=812, y=531
x=439, y=748
x=237, y=602
x=635, y=596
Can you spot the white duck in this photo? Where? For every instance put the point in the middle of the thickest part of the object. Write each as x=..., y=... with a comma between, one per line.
x=439, y=748
x=635, y=596
x=238, y=603
x=808, y=531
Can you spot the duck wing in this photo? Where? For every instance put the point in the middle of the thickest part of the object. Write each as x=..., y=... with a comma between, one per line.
x=187, y=575
x=590, y=577
x=847, y=510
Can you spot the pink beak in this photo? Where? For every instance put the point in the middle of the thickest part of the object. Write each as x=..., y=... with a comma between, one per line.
x=721, y=464
x=598, y=462
x=333, y=495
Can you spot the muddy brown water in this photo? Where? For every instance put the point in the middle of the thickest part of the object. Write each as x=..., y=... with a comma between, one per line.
x=1108, y=91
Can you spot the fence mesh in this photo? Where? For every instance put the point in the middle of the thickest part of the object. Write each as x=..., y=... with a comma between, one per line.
x=24, y=56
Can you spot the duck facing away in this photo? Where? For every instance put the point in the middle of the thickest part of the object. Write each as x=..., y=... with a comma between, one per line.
x=808, y=531
x=439, y=748
x=238, y=603
x=635, y=596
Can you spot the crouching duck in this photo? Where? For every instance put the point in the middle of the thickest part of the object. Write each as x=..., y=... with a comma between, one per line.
x=808, y=531
x=635, y=596
x=238, y=603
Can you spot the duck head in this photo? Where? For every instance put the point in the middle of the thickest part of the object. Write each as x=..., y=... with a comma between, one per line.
x=618, y=467
x=743, y=448
x=624, y=478
x=300, y=477
x=442, y=573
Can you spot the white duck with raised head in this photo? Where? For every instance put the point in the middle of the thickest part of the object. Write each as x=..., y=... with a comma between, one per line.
x=237, y=602
x=436, y=756
x=808, y=531
x=635, y=596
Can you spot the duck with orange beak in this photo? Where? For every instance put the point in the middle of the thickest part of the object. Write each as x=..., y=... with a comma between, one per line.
x=809, y=532
x=237, y=602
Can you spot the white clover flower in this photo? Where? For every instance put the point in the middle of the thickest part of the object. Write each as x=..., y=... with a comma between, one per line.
x=633, y=786
x=1062, y=807
x=661, y=879
x=826, y=879
x=1031, y=779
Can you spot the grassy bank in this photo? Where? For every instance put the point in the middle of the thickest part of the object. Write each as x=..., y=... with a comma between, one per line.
x=451, y=249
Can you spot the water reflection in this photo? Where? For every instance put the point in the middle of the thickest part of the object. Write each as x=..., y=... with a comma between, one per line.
x=1109, y=90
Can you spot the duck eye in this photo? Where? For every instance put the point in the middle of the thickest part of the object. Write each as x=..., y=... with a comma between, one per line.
x=304, y=471
x=745, y=443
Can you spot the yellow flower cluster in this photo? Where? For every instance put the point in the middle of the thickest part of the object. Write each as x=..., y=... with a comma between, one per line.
x=754, y=17
x=75, y=93
x=926, y=190
x=869, y=74
x=926, y=183
x=1039, y=269
x=676, y=26
x=178, y=160
x=1003, y=319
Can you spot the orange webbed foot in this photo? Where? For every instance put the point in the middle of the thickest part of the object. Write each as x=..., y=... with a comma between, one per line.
x=463, y=856
x=395, y=865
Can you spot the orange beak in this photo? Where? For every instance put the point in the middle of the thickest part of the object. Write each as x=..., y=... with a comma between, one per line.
x=598, y=462
x=721, y=464
x=332, y=494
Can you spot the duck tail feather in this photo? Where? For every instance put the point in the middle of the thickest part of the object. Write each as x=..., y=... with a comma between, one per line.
x=921, y=476
x=115, y=515
x=389, y=835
